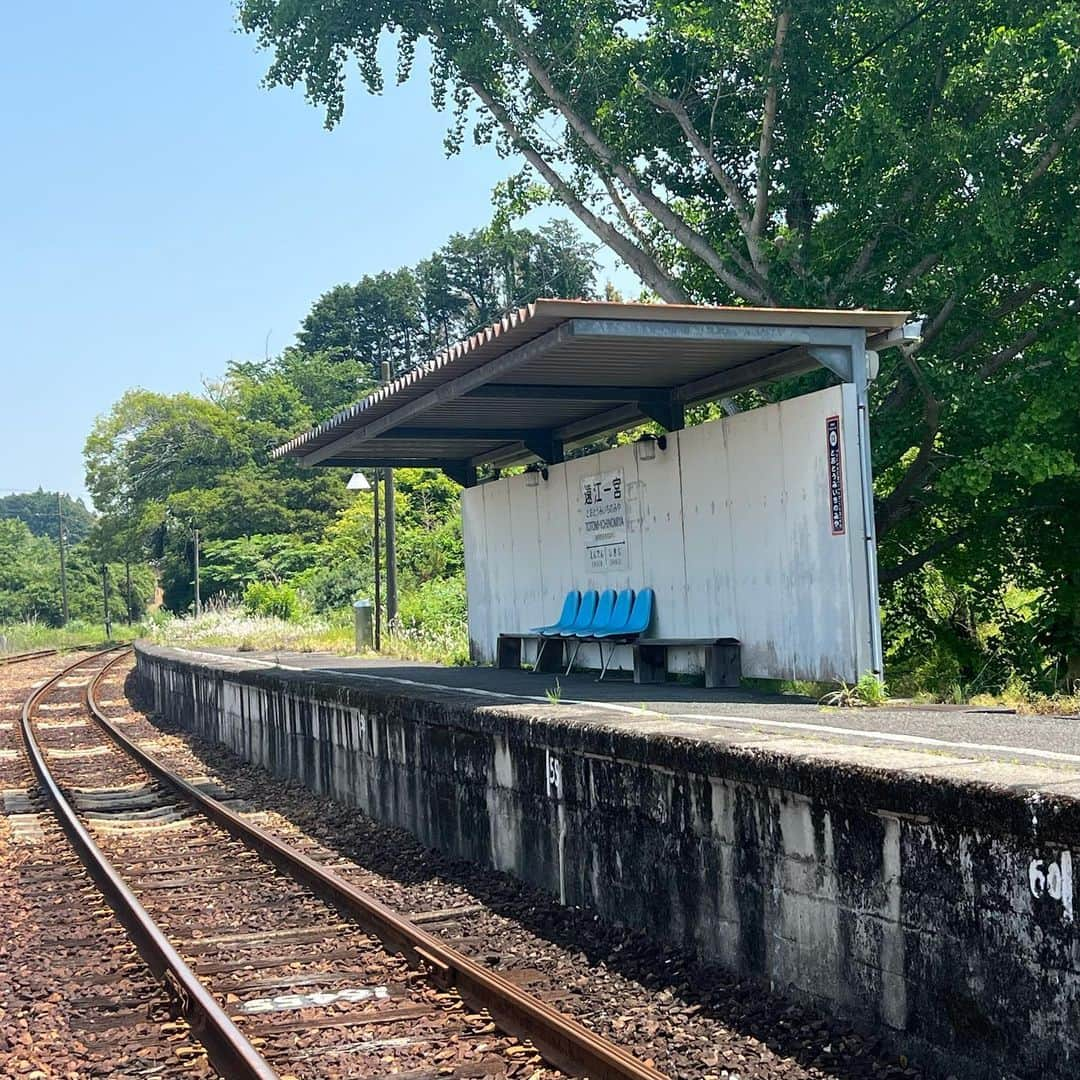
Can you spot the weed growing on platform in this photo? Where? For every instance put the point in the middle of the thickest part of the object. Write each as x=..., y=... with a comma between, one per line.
x=867, y=692
x=554, y=694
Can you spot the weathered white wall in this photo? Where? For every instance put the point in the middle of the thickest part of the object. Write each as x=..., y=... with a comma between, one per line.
x=730, y=525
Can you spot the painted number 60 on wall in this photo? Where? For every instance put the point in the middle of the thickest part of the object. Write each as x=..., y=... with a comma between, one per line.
x=1053, y=879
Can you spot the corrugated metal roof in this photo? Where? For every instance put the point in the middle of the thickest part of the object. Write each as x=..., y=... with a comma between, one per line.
x=478, y=396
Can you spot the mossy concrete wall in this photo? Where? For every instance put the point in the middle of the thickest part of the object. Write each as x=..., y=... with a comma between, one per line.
x=939, y=912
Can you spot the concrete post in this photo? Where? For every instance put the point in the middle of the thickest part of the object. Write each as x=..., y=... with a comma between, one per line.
x=363, y=613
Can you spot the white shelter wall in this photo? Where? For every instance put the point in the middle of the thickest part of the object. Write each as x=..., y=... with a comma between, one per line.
x=730, y=525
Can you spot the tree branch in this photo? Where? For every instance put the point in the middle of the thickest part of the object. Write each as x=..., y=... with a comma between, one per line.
x=690, y=239
x=925, y=264
x=866, y=253
x=1003, y=356
x=1054, y=149
x=624, y=211
x=1006, y=307
x=889, y=574
x=727, y=183
x=934, y=327
x=768, y=125
x=920, y=470
x=637, y=259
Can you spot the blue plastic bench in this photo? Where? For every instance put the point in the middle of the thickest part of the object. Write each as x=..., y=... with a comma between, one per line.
x=621, y=618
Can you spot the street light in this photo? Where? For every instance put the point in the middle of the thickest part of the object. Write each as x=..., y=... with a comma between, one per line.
x=359, y=482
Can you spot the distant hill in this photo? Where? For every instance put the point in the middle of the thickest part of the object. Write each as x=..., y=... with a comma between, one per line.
x=38, y=510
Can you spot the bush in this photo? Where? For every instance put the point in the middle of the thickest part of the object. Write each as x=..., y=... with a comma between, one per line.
x=278, y=601
x=436, y=605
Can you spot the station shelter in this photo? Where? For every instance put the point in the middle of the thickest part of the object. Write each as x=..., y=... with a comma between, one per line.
x=757, y=525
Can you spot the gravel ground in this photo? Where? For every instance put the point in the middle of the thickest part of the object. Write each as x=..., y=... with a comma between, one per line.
x=317, y=996
x=689, y=1019
x=75, y=999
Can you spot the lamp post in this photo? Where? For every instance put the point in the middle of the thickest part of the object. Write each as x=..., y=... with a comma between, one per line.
x=359, y=482
x=391, y=526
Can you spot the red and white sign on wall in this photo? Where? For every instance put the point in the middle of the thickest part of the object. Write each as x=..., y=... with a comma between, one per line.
x=836, y=475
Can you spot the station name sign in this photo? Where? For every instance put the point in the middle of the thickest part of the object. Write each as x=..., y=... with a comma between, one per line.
x=603, y=505
x=836, y=475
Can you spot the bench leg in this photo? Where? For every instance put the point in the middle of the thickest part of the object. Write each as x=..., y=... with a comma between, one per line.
x=508, y=656
x=723, y=666
x=650, y=663
x=604, y=663
x=549, y=661
x=573, y=655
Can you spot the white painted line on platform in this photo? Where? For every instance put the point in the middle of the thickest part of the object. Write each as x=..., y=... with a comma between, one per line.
x=721, y=718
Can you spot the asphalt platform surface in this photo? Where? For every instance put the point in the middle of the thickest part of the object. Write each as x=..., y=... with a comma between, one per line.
x=961, y=735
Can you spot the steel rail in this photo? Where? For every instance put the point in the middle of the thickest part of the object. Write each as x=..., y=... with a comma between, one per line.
x=228, y=1049
x=560, y=1039
x=41, y=654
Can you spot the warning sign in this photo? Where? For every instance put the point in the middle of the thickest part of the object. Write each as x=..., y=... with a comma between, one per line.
x=603, y=500
x=836, y=475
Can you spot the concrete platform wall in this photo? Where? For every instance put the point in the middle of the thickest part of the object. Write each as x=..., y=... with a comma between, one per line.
x=941, y=913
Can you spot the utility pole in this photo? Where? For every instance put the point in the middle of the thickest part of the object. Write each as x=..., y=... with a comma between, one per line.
x=63, y=560
x=105, y=599
x=378, y=567
x=198, y=598
x=391, y=531
x=127, y=575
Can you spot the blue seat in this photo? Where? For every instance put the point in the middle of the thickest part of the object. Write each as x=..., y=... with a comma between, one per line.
x=604, y=608
x=601, y=619
x=566, y=616
x=628, y=623
x=586, y=614
x=637, y=622
x=620, y=616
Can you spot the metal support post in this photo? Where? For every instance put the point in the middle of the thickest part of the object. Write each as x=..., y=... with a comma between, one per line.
x=378, y=563
x=391, y=529
x=866, y=478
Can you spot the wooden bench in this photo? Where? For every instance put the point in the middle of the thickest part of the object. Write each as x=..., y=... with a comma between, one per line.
x=723, y=667
x=508, y=653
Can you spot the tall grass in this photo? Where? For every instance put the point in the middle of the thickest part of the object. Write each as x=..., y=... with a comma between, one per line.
x=30, y=636
x=229, y=626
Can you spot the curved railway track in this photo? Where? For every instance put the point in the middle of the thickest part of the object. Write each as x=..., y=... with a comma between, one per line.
x=280, y=965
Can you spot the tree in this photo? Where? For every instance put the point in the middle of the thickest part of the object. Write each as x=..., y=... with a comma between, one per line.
x=38, y=510
x=160, y=466
x=406, y=316
x=915, y=156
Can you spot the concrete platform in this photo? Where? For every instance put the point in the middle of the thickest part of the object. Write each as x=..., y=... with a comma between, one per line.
x=959, y=732
x=910, y=869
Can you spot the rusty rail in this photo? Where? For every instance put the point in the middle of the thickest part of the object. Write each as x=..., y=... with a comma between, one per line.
x=229, y=1051
x=561, y=1040
x=41, y=654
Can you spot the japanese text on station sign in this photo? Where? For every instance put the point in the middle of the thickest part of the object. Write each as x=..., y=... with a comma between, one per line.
x=836, y=475
x=603, y=506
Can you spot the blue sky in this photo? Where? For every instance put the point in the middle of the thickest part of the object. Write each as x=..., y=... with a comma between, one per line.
x=162, y=213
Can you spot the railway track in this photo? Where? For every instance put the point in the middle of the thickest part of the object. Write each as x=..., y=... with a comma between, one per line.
x=75, y=997
x=40, y=654
x=280, y=965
